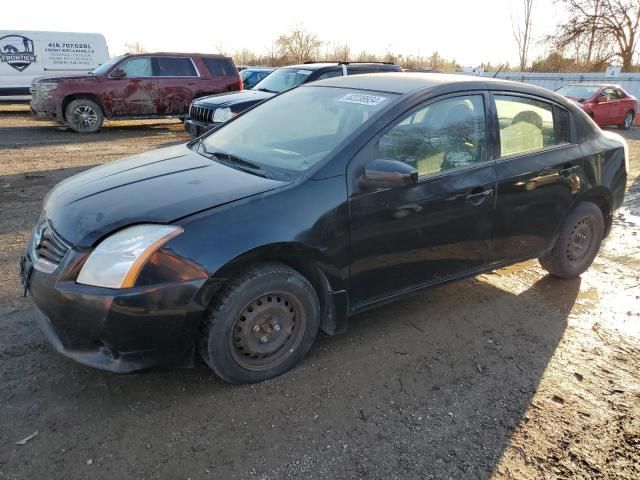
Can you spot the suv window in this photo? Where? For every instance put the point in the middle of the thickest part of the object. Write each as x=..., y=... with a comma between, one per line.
x=526, y=125
x=137, y=67
x=330, y=74
x=220, y=67
x=446, y=134
x=174, y=67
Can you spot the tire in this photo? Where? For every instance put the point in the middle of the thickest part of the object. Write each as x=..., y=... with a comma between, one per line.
x=628, y=121
x=577, y=244
x=84, y=115
x=261, y=325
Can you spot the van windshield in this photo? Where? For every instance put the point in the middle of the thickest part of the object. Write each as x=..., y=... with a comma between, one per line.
x=297, y=129
x=104, y=68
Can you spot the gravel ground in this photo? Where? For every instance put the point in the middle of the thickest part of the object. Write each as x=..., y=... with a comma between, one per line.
x=512, y=374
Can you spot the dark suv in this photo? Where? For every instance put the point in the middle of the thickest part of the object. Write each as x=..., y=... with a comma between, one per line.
x=149, y=85
x=206, y=113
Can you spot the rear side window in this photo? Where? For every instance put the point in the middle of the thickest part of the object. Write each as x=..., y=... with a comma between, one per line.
x=220, y=67
x=174, y=67
x=526, y=125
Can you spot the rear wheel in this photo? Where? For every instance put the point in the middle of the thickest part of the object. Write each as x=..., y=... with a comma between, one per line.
x=578, y=243
x=262, y=325
x=84, y=115
x=628, y=121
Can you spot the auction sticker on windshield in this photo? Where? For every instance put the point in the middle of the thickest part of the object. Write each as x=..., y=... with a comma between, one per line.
x=362, y=99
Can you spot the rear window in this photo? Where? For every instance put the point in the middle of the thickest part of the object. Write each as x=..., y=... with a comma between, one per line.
x=174, y=67
x=220, y=67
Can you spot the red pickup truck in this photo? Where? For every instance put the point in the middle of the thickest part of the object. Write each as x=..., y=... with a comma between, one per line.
x=149, y=85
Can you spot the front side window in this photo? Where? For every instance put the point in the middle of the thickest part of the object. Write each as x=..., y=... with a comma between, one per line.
x=610, y=93
x=526, y=125
x=137, y=67
x=330, y=74
x=295, y=130
x=174, y=67
x=446, y=134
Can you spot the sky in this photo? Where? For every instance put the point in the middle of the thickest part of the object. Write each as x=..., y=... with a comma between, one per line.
x=469, y=31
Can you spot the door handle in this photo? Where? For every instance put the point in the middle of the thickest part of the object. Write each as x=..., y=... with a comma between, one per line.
x=476, y=197
x=567, y=170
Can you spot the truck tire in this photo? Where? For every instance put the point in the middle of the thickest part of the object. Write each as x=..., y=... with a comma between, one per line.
x=84, y=115
x=261, y=325
x=577, y=244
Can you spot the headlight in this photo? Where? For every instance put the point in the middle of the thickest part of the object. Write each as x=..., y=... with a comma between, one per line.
x=45, y=87
x=117, y=261
x=222, y=115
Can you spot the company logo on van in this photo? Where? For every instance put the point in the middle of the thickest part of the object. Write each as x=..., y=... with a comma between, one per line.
x=17, y=51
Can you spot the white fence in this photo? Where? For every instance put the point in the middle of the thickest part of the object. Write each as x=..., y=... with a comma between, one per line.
x=630, y=82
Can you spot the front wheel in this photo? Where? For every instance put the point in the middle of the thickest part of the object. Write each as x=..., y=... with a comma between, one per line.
x=84, y=115
x=628, y=121
x=261, y=325
x=577, y=244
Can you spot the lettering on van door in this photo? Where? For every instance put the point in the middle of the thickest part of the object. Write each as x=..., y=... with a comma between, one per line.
x=17, y=51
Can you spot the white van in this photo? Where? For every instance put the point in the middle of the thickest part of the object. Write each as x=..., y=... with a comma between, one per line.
x=25, y=55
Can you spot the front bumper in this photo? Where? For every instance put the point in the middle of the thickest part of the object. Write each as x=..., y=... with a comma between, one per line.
x=120, y=331
x=195, y=129
x=44, y=106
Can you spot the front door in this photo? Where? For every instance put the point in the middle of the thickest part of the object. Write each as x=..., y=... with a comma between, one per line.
x=133, y=94
x=407, y=237
x=538, y=172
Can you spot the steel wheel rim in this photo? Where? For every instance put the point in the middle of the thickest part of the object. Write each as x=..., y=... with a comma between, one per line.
x=267, y=331
x=628, y=119
x=84, y=116
x=580, y=240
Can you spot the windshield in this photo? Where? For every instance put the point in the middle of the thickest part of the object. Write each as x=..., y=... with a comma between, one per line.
x=283, y=79
x=295, y=130
x=581, y=92
x=104, y=68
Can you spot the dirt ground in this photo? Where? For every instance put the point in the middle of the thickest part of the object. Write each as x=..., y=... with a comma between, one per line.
x=513, y=374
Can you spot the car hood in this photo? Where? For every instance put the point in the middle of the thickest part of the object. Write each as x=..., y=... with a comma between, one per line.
x=224, y=100
x=159, y=186
x=63, y=78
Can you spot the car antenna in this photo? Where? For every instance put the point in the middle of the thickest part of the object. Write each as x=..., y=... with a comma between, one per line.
x=499, y=70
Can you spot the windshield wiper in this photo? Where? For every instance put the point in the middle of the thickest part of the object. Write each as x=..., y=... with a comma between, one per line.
x=265, y=90
x=239, y=162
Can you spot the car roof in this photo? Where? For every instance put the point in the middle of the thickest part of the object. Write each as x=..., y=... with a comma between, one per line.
x=260, y=69
x=586, y=84
x=319, y=65
x=175, y=54
x=405, y=82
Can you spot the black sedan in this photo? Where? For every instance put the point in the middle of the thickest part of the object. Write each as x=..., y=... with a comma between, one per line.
x=354, y=191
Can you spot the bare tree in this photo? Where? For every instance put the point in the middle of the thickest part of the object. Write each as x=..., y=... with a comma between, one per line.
x=600, y=30
x=135, y=47
x=522, y=32
x=299, y=45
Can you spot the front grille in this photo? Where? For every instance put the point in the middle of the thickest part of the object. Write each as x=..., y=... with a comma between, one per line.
x=49, y=248
x=201, y=114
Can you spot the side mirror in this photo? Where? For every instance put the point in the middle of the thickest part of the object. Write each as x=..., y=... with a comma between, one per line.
x=118, y=73
x=601, y=99
x=389, y=173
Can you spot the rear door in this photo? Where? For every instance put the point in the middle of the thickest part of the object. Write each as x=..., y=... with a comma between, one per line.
x=178, y=81
x=538, y=171
x=408, y=237
x=134, y=94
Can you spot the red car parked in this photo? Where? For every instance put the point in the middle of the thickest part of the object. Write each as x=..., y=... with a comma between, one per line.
x=606, y=104
x=150, y=85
